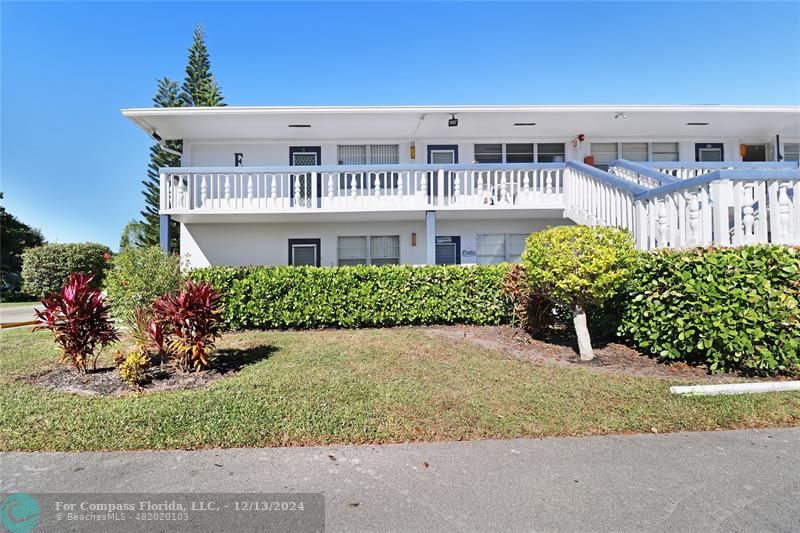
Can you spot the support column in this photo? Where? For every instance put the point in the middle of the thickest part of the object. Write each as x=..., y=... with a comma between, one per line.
x=163, y=232
x=430, y=237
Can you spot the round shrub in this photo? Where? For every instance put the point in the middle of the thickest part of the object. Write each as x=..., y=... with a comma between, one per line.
x=731, y=308
x=577, y=267
x=46, y=268
x=138, y=276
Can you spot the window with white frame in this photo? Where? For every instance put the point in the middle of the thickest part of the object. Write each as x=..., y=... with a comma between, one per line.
x=791, y=152
x=375, y=250
x=550, y=153
x=384, y=250
x=489, y=153
x=362, y=154
x=634, y=151
x=604, y=153
x=492, y=248
x=665, y=152
x=352, y=251
x=519, y=152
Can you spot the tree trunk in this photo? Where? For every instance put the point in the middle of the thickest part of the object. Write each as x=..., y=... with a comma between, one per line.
x=582, y=331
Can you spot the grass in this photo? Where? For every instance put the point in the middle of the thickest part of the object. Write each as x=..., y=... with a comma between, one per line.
x=364, y=386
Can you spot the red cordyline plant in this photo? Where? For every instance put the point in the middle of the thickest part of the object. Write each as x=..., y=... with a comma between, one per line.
x=189, y=324
x=78, y=317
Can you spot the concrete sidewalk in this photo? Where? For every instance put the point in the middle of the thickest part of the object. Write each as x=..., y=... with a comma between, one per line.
x=716, y=481
x=18, y=313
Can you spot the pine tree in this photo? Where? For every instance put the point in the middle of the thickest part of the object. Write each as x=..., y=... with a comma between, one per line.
x=168, y=95
x=199, y=88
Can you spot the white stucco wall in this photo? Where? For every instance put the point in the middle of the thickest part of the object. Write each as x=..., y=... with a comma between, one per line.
x=267, y=243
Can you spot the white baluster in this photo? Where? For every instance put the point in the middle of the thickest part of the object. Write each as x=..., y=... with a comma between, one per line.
x=330, y=189
x=376, y=185
x=273, y=190
x=481, y=188
x=526, y=184
x=694, y=220
x=227, y=191
x=250, y=189
x=353, y=186
x=423, y=187
x=456, y=186
x=204, y=191
x=548, y=184
x=297, y=196
x=748, y=210
x=663, y=227
x=784, y=213
x=504, y=196
x=399, y=190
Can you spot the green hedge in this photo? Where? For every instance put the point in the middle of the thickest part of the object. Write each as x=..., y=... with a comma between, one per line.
x=45, y=268
x=732, y=308
x=359, y=296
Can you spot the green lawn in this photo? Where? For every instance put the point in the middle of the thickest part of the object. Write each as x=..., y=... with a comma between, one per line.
x=358, y=387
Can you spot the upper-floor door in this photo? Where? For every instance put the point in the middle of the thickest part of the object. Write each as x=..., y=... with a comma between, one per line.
x=301, y=186
x=709, y=152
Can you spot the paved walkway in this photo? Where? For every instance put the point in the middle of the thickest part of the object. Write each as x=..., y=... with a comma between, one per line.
x=716, y=481
x=17, y=313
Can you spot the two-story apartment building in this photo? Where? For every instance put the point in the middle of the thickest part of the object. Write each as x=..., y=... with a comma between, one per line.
x=467, y=184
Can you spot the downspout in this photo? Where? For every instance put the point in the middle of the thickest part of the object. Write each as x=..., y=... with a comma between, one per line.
x=163, y=145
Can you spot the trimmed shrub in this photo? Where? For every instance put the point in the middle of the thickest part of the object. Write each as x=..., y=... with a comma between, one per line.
x=578, y=267
x=139, y=276
x=46, y=268
x=731, y=308
x=359, y=296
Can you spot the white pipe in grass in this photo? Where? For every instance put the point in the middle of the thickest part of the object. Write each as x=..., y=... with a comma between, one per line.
x=737, y=388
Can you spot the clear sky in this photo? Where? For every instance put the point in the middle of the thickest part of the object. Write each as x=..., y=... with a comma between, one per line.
x=72, y=165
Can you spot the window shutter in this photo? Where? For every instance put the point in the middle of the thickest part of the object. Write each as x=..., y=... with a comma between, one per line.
x=604, y=152
x=551, y=152
x=519, y=153
x=491, y=249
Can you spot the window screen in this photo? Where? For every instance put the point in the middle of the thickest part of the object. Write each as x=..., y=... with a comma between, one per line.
x=489, y=153
x=384, y=250
x=352, y=251
x=665, y=152
x=634, y=151
x=791, y=152
x=519, y=153
x=491, y=249
x=551, y=152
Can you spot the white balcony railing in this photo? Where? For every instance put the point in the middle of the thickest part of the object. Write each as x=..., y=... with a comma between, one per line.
x=683, y=170
x=722, y=207
x=361, y=188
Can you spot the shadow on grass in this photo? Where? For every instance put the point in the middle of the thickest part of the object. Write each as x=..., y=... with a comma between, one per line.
x=234, y=359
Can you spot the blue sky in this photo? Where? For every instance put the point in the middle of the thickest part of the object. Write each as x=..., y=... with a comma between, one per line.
x=72, y=165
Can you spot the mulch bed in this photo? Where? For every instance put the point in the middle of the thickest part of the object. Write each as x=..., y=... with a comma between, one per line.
x=609, y=357
x=106, y=381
